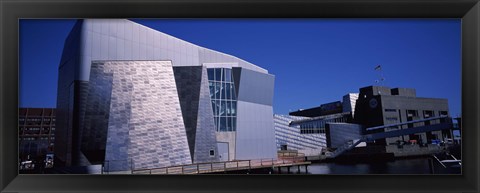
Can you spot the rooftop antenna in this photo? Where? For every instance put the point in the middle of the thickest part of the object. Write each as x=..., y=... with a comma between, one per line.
x=379, y=81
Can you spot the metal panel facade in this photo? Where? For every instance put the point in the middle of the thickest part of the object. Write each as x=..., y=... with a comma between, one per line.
x=192, y=86
x=120, y=40
x=255, y=134
x=145, y=125
x=291, y=136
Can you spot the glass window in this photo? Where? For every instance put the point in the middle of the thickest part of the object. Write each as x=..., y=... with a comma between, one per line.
x=234, y=94
x=213, y=107
x=218, y=74
x=223, y=74
x=229, y=108
x=223, y=124
x=234, y=108
x=223, y=109
x=217, y=90
x=227, y=90
x=227, y=124
x=228, y=75
x=216, y=123
x=222, y=90
x=218, y=107
x=212, y=89
x=211, y=73
x=212, y=152
x=223, y=96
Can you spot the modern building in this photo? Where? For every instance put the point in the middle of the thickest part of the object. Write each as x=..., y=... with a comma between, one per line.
x=289, y=137
x=36, y=133
x=134, y=97
x=305, y=130
x=378, y=105
x=385, y=109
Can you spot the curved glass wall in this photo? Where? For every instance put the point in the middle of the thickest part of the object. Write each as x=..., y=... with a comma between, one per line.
x=223, y=98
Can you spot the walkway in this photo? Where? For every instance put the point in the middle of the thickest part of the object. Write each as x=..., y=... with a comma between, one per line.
x=228, y=166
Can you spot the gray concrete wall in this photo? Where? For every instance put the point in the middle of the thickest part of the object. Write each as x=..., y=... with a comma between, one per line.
x=230, y=138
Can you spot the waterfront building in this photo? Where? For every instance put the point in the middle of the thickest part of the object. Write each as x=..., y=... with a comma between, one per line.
x=36, y=133
x=344, y=121
x=305, y=130
x=378, y=105
x=348, y=103
x=134, y=97
x=289, y=137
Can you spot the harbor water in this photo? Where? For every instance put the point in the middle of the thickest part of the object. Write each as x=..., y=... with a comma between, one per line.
x=422, y=165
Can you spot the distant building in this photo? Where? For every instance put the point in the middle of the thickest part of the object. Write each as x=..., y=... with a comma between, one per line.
x=342, y=122
x=379, y=105
x=36, y=132
x=349, y=101
x=289, y=137
x=305, y=130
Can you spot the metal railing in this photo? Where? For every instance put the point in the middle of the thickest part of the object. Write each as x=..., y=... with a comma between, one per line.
x=347, y=146
x=441, y=118
x=199, y=168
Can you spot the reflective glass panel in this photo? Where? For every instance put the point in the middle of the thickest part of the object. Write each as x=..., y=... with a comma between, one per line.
x=223, y=96
x=211, y=73
x=211, y=85
x=228, y=75
x=222, y=109
x=213, y=107
x=227, y=90
x=234, y=95
x=227, y=124
x=223, y=124
x=234, y=108
x=229, y=108
x=217, y=90
x=218, y=74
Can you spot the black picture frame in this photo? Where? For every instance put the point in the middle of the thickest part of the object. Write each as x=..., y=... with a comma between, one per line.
x=11, y=11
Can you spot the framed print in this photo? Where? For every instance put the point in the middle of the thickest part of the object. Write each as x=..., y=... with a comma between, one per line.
x=239, y=96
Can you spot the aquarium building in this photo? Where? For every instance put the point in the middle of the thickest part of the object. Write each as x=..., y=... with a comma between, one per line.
x=134, y=98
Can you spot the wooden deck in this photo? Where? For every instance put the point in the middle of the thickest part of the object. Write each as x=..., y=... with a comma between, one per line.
x=228, y=166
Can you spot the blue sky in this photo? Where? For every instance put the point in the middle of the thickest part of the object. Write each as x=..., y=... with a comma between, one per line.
x=314, y=61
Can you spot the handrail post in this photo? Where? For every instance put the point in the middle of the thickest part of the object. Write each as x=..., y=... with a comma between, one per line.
x=182, y=170
x=198, y=169
x=131, y=164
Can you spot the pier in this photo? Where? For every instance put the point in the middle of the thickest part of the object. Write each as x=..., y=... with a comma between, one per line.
x=235, y=166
